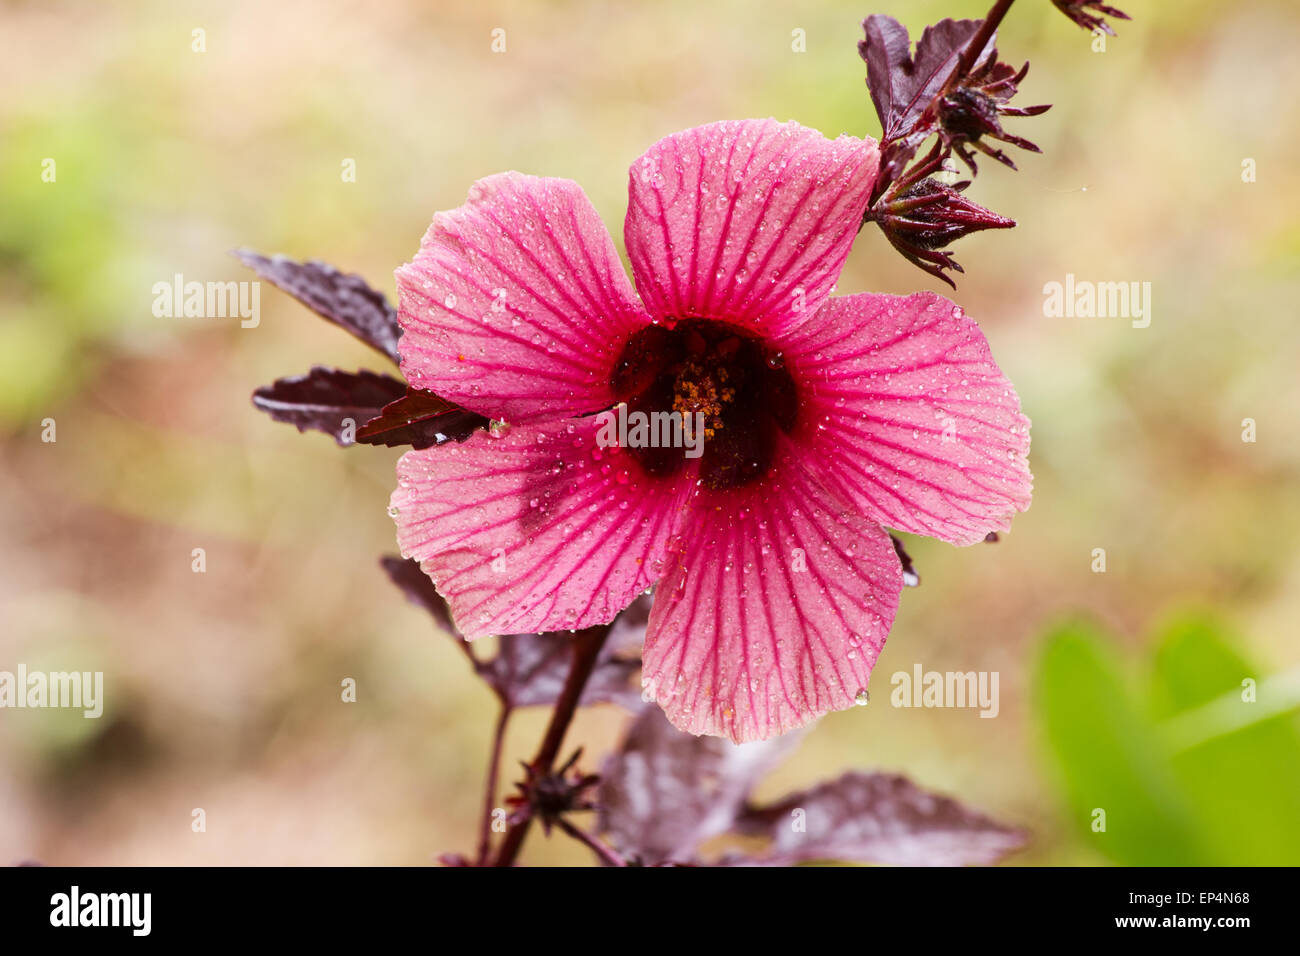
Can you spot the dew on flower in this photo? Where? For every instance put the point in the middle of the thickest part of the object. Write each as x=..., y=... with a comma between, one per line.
x=805, y=422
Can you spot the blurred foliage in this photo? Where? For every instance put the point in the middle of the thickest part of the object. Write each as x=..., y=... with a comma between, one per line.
x=1195, y=762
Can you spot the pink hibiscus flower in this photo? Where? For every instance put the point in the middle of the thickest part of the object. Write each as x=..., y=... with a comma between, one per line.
x=828, y=419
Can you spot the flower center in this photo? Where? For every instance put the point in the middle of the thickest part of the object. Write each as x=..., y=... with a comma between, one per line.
x=701, y=389
x=712, y=373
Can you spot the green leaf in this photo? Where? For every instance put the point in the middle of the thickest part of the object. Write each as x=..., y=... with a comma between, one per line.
x=1237, y=759
x=1111, y=756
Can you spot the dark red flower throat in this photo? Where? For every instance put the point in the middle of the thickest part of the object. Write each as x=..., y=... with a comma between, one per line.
x=732, y=378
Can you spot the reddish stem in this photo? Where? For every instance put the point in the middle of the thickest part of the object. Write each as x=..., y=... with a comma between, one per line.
x=489, y=799
x=602, y=850
x=988, y=27
x=586, y=648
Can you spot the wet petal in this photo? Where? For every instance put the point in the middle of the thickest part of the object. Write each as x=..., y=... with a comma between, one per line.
x=745, y=221
x=537, y=530
x=905, y=414
x=774, y=610
x=517, y=304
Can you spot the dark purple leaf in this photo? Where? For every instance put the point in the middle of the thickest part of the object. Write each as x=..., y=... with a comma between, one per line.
x=529, y=670
x=418, y=588
x=886, y=49
x=664, y=792
x=903, y=86
x=941, y=40
x=326, y=400
x=910, y=578
x=907, y=89
x=420, y=419
x=938, y=55
x=342, y=298
x=876, y=818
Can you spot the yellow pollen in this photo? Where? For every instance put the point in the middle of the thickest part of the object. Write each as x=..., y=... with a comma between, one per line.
x=696, y=391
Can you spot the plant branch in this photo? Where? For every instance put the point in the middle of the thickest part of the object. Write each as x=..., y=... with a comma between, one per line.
x=988, y=27
x=602, y=850
x=586, y=648
x=489, y=798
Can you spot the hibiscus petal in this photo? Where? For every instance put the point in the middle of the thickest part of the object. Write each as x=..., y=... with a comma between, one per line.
x=774, y=611
x=516, y=304
x=745, y=221
x=531, y=531
x=908, y=417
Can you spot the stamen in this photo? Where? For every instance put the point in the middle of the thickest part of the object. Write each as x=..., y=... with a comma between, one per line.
x=698, y=366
